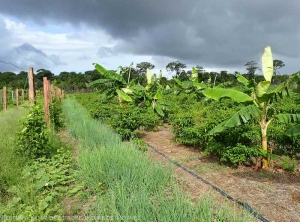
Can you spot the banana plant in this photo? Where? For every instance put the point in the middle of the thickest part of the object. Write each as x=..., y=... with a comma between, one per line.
x=192, y=85
x=257, y=104
x=114, y=83
x=151, y=95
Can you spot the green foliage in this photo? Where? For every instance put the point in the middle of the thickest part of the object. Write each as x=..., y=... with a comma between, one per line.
x=192, y=121
x=109, y=74
x=128, y=119
x=288, y=163
x=133, y=185
x=218, y=93
x=57, y=121
x=284, y=144
x=11, y=164
x=262, y=97
x=184, y=129
x=239, y=153
x=33, y=139
x=125, y=120
x=140, y=144
x=149, y=120
x=191, y=126
x=43, y=184
x=240, y=117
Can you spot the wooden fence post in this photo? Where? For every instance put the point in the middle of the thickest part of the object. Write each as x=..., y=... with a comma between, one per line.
x=23, y=96
x=31, y=87
x=55, y=91
x=4, y=98
x=17, y=97
x=62, y=94
x=59, y=93
x=49, y=92
x=46, y=99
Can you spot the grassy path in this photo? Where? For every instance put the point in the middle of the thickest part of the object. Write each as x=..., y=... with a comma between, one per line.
x=126, y=184
x=10, y=166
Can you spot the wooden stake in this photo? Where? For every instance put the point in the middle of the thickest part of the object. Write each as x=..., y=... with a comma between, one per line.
x=31, y=87
x=62, y=94
x=17, y=97
x=49, y=92
x=59, y=93
x=23, y=96
x=46, y=99
x=55, y=92
x=4, y=98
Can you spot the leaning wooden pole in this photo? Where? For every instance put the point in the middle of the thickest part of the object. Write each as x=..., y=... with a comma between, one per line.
x=31, y=87
x=46, y=100
x=4, y=98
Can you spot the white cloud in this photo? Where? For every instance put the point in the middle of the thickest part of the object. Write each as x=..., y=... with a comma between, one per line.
x=73, y=49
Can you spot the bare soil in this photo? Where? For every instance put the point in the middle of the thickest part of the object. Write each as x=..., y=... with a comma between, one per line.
x=74, y=207
x=274, y=195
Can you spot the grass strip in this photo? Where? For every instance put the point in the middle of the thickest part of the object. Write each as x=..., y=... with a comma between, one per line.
x=11, y=164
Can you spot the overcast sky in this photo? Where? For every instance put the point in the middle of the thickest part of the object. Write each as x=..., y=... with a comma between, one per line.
x=70, y=35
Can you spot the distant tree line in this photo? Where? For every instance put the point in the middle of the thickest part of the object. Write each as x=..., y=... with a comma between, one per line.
x=72, y=81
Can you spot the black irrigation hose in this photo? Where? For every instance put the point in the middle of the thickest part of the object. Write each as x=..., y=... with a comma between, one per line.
x=245, y=205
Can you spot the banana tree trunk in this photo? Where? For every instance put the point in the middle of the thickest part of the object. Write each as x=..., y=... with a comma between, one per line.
x=264, y=144
x=264, y=126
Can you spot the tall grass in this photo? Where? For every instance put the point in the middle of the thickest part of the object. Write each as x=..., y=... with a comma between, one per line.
x=10, y=164
x=127, y=184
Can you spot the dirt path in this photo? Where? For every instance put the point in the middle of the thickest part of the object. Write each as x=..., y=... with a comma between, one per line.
x=275, y=196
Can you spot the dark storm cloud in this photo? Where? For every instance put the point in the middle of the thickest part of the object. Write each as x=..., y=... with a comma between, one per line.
x=220, y=33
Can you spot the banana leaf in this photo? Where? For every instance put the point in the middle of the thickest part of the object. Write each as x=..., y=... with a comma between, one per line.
x=124, y=96
x=218, y=93
x=242, y=116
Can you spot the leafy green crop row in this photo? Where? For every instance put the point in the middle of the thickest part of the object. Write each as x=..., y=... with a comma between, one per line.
x=192, y=121
x=125, y=120
x=127, y=184
x=37, y=171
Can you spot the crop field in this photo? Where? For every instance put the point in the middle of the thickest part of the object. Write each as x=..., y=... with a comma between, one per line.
x=151, y=149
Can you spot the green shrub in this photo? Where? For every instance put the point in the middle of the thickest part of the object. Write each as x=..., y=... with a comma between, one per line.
x=56, y=117
x=126, y=121
x=239, y=153
x=284, y=145
x=288, y=163
x=149, y=119
x=184, y=129
x=235, y=145
x=43, y=184
x=140, y=144
x=33, y=139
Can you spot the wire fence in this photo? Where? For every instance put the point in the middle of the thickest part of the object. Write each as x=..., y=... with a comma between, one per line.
x=11, y=97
